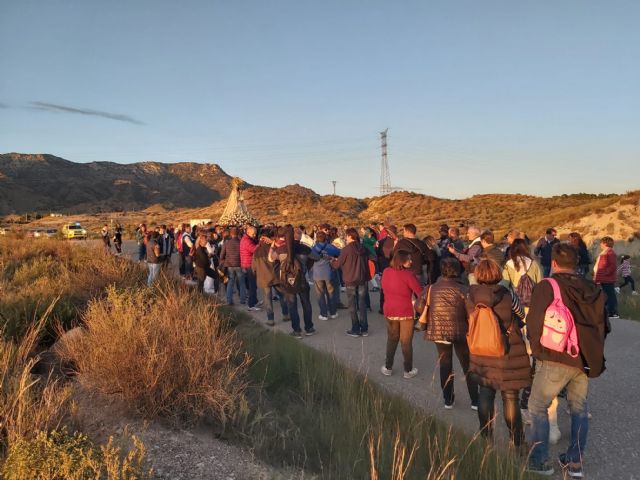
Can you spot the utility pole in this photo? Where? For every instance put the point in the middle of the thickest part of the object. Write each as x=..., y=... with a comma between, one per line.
x=334, y=185
x=385, y=178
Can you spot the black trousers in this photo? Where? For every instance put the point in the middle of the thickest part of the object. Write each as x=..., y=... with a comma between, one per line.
x=512, y=417
x=445, y=359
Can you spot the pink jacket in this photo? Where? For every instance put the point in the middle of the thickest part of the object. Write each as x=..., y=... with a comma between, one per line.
x=606, y=268
x=247, y=247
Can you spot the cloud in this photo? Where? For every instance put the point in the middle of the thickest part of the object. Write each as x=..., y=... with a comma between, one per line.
x=52, y=107
x=4, y=105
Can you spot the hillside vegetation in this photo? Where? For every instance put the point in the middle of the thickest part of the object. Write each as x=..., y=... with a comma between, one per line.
x=46, y=183
x=172, y=193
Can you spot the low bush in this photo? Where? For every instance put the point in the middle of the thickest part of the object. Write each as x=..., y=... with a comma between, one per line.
x=28, y=403
x=34, y=272
x=165, y=352
x=61, y=455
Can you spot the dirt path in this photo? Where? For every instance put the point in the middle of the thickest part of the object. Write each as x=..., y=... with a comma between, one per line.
x=614, y=432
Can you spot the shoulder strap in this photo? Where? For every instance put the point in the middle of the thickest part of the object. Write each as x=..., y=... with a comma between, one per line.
x=556, y=288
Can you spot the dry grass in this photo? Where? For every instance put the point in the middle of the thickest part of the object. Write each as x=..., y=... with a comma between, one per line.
x=28, y=403
x=60, y=455
x=165, y=352
x=34, y=272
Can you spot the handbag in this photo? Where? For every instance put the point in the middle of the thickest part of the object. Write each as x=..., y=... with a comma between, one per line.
x=424, y=316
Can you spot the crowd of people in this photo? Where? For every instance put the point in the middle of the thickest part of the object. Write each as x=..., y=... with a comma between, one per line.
x=527, y=320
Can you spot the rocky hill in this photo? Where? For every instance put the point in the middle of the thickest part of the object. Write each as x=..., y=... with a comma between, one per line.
x=44, y=183
x=172, y=193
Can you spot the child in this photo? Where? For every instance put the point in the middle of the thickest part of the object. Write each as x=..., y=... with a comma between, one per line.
x=625, y=270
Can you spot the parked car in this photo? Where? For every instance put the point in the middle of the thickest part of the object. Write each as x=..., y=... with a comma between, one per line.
x=38, y=233
x=74, y=231
x=51, y=232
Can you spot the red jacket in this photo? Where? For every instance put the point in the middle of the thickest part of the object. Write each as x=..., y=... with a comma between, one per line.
x=247, y=247
x=607, y=271
x=398, y=286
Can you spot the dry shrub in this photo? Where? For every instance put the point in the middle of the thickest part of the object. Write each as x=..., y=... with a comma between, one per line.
x=60, y=455
x=165, y=352
x=28, y=403
x=36, y=271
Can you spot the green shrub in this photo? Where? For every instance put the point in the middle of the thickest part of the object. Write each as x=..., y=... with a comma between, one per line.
x=62, y=456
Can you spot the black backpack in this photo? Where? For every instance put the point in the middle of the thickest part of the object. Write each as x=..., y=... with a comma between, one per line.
x=290, y=275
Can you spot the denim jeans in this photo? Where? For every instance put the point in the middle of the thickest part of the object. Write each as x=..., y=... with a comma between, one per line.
x=612, y=299
x=235, y=277
x=324, y=289
x=549, y=380
x=335, y=282
x=292, y=305
x=357, y=304
x=142, y=252
x=511, y=410
x=154, y=270
x=252, y=288
x=268, y=301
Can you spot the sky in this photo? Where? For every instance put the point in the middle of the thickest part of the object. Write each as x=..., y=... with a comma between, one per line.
x=536, y=97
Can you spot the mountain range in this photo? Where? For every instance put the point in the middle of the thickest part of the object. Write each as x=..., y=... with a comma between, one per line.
x=181, y=191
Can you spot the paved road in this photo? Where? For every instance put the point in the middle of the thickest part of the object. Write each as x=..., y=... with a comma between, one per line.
x=613, y=451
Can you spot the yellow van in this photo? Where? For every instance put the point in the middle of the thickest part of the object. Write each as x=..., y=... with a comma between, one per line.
x=74, y=230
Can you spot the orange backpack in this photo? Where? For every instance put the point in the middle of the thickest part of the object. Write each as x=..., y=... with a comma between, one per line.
x=485, y=336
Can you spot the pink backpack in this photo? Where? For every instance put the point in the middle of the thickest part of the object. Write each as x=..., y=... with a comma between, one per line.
x=559, y=330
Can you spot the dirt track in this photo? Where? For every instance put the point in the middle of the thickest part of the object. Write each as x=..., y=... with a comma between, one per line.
x=614, y=431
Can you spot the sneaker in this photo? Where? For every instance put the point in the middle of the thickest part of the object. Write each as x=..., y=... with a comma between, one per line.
x=634, y=293
x=573, y=469
x=554, y=434
x=286, y=319
x=526, y=416
x=260, y=303
x=351, y=333
x=365, y=334
x=296, y=334
x=335, y=315
x=449, y=406
x=615, y=315
x=617, y=289
x=343, y=289
x=323, y=318
x=474, y=408
x=411, y=373
x=540, y=469
x=254, y=309
x=310, y=332
x=270, y=323
x=386, y=371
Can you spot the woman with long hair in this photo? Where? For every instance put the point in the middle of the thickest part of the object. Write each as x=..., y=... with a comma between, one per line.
x=400, y=284
x=584, y=259
x=520, y=262
x=510, y=372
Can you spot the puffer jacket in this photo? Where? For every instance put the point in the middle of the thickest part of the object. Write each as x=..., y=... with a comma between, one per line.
x=513, y=370
x=248, y=246
x=447, y=317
